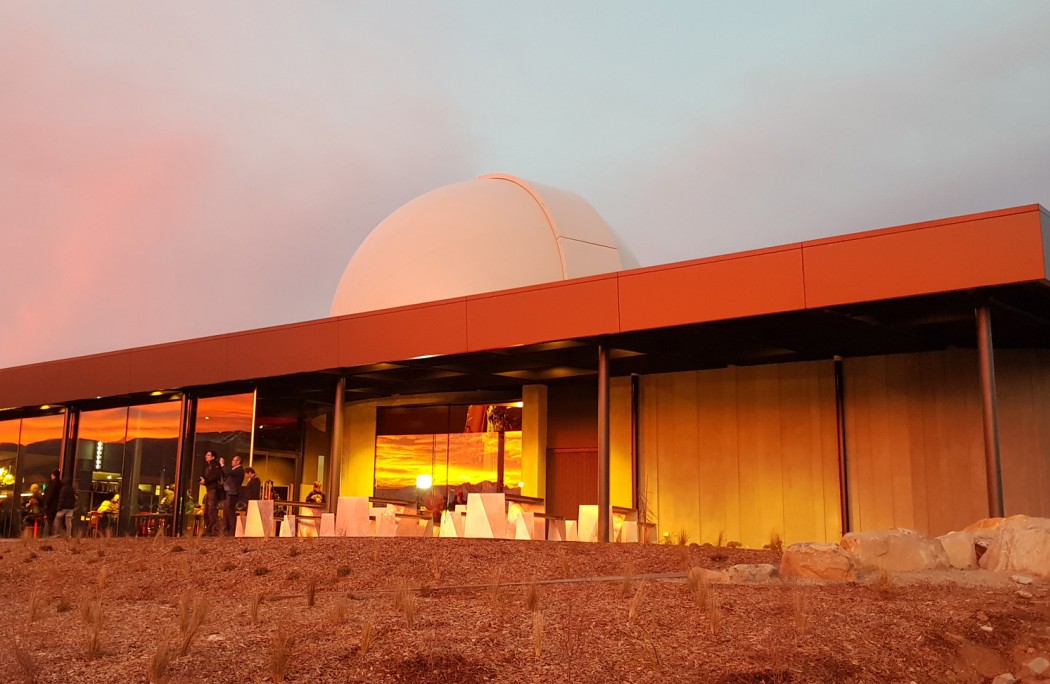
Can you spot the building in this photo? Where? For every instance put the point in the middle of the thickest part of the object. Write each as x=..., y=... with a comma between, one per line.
x=897, y=377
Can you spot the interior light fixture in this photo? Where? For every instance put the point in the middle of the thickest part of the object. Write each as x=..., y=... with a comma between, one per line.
x=156, y=394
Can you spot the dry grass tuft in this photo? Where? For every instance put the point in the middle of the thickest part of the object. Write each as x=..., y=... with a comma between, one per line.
x=279, y=652
x=636, y=603
x=721, y=541
x=92, y=614
x=537, y=633
x=27, y=667
x=775, y=542
x=192, y=612
x=563, y=561
x=34, y=605
x=311, y=591
x=713, y=608
x=157, y=670
x=435, y=568
x=339, y=609
x=368, y=636
x=103, y=577
x=628, y=578
x=253, y=608
x=696, y=580
x=801, y=610
x=884, y=582
x=532, y=596
x=401, y=592
x=408, y=607
x=682, y=538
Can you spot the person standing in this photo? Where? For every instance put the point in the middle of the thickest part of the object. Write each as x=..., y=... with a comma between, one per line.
x=212, y=481
x=316, y=496
x=252, y=489
x=67, y=501
x=232, y=477
x=51, y=494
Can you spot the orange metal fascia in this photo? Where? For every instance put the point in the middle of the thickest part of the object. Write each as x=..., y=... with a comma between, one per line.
x=980, y=250
x=406, y=332
x=735, y=286
x=580, y=307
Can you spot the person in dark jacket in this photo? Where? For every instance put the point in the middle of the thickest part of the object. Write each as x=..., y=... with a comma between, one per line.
x=67, y=501
x=232, y=476
x=212, y=481
x=252, y=489
x=51, y=494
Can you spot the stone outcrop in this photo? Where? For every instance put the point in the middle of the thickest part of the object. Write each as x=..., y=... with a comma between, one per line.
x=755, y=573
x=897, y=550
x=1021, y=544
x=818, y=561
x=960, y=549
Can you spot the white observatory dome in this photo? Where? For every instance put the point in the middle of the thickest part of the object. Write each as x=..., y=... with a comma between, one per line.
x=492, y=233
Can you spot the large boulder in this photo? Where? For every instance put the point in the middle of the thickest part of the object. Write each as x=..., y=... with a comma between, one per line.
x=960, y=549
x=897, y=550
x=818, y=561
x=757, y=573
x=1022, y=544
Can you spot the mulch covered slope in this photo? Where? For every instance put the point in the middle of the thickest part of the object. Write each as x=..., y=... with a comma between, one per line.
x=426, y=610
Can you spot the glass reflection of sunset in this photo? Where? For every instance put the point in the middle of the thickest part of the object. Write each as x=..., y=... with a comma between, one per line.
x=452, y=460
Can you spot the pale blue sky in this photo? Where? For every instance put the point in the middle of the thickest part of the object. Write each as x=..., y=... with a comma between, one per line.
x=170, y=170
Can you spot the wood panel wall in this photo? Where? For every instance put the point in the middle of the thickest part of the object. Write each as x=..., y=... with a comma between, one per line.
x=914, y=441
x=742, y=452
x=1023, y=380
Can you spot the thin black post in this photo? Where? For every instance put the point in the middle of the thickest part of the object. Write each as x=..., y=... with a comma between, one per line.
x=990, y=411
x=335, y=460
x=603, y=442
x=840, y=429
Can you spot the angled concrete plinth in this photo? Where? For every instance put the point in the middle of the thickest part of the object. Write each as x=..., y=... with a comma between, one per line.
x=628, y=531
x=386, y=522
x=240, y=526
x=327, y=525
x=556, y=530
x=571, y=531
x=259, y=521
x=448, y=526
x=486, y=516
x=351, y=516
x=288, y=526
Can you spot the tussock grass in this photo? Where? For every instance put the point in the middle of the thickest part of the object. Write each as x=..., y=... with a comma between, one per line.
x=699, y=585
x=401, y=592
x=157, y=668
x=103, y=577
x=532, y=596
x=25, y=663
x=339, y=609
x=192, y=612
x=435, y=568
x=408, y=608
x=682, y=538
x=92, y=614
x=368, y=636
x=713, y=608
x=279, y=653
x=775, y=542
x=636, y=603
x=537, y=633
x=253, y=608
x=801, y=610
x=311, y=591
x=34, y=605
x=628, y=579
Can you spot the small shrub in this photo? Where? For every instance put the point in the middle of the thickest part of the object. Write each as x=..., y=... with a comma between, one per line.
x=294, y=551
x=343, y=571
x=46, y=547
x=260, y=571
x=775, y=542
x=733, y=545
x=63, y=606
x=202, y=551
x=292, y=576
x=177, y=548
x=101, y=553
x=31, y=556
x=228, y=566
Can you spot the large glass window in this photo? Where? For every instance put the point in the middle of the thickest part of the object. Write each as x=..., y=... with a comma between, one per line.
x=124, y=469
x=224, y=427
x=39, y=453
x=10, y=521
x=471, y=448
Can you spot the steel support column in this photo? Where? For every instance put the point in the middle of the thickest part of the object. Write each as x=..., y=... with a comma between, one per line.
x=603, y=442
x=336, y=458
x=990, y=411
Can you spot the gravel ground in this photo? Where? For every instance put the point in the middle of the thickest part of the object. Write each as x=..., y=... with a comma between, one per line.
x=456, y=611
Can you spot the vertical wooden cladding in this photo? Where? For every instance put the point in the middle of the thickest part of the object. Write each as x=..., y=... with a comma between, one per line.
x=746, y=284
x=1023, y=381
x=914, y=441
x=743, y=452
x=556, y=312
x=989, y=249
x=572, y=480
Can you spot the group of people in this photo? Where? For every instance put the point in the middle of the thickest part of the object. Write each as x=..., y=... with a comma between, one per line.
x=226, y=483
x=53, y=506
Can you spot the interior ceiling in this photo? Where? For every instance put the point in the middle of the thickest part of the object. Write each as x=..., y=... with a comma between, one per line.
x=1020, y=319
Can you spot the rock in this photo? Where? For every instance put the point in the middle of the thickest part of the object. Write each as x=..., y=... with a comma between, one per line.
x=987, y=628
x=960, y=549
x=1004, y=679
x=713, y=576
x=752, y=573
x=897, y=550
x=1038, y=665
x=1020, y=548
x=1021, y=593
x=814, y=560
x=984, y=524
x=1021, y=579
